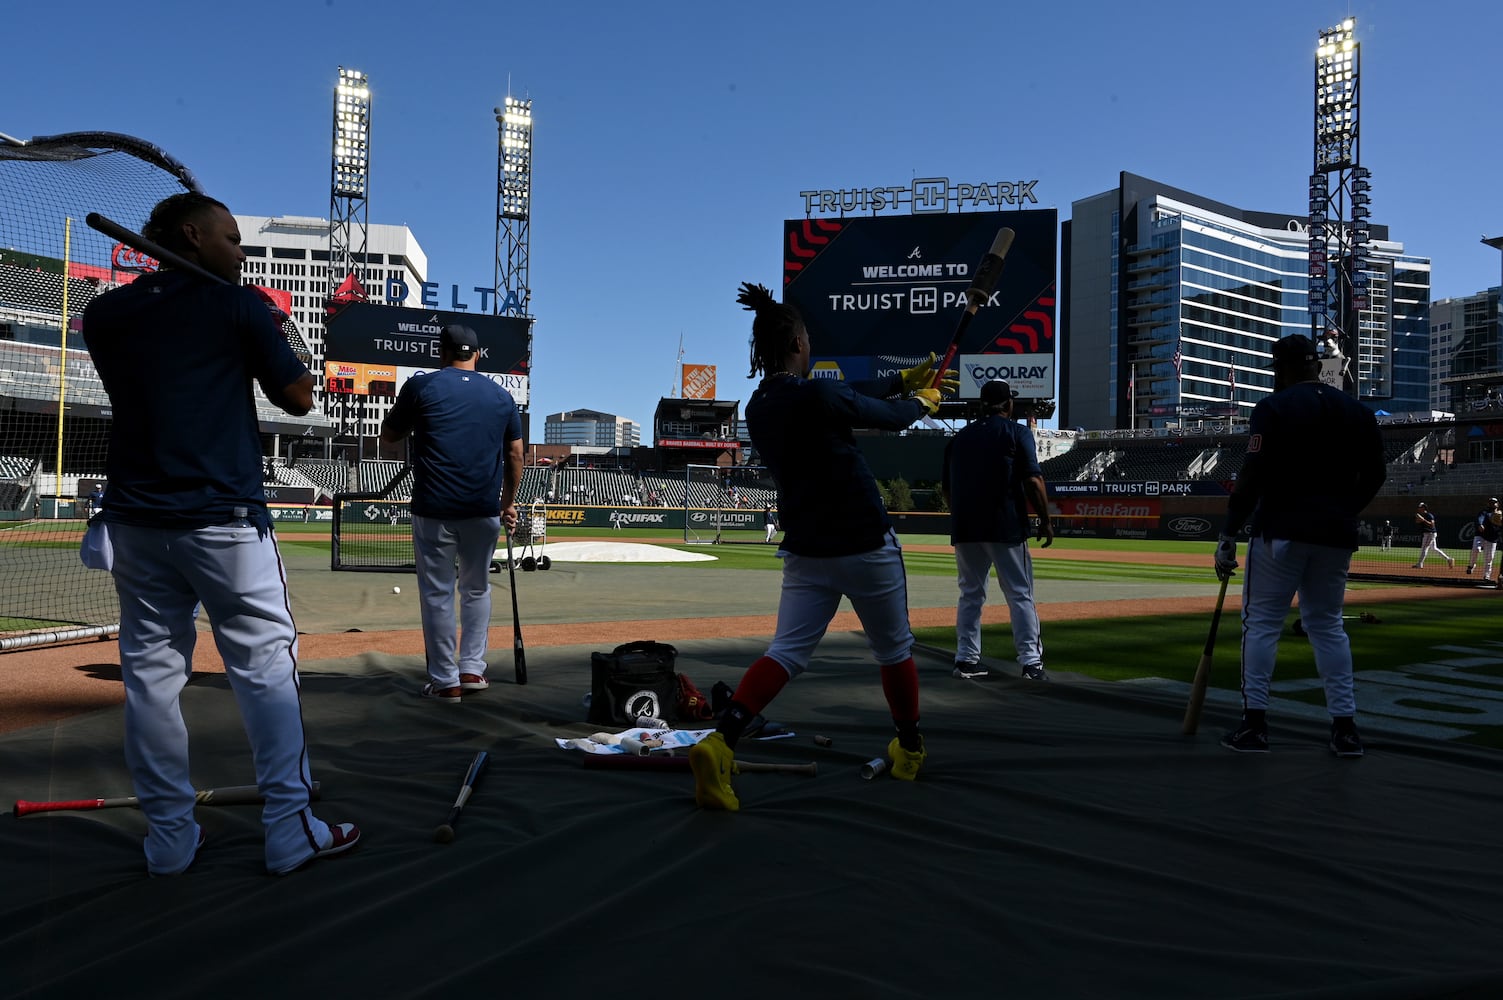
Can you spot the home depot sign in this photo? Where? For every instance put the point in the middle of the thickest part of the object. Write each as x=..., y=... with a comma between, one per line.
x=699, y=381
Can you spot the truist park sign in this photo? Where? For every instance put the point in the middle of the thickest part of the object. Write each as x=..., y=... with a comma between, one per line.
x=921, y=196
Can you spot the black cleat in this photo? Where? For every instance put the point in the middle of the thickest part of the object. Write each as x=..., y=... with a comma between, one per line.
x=1247, y=739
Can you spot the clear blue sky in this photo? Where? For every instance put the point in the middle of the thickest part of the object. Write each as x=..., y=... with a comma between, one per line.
x=672, y=138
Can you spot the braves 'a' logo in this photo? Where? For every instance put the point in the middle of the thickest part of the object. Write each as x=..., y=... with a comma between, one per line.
x=641, y=703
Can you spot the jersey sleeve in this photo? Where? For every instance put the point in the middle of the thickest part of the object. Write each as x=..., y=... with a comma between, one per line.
x=270, y=359
x=400, y=418
x=857, y=409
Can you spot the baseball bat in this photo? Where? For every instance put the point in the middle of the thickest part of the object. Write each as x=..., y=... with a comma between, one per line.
x=1203, y=669
x=988, y=273
x=151, y=248
x=660, y=762
x=445, y=831
x=518, y=651
x=232, y=795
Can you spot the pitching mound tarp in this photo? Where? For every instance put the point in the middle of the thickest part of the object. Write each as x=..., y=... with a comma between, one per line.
x=1064, y=841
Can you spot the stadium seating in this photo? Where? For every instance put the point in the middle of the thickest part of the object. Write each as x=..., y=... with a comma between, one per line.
x=595, y=486
x=16, y=467
x=536, y=480
x=330, y=475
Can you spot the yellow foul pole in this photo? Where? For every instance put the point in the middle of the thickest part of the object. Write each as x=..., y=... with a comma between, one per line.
x=62, y=373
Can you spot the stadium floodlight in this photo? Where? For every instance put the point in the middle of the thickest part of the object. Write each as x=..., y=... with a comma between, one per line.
x=1336, y=95
x=352, y=134
x=515, y=122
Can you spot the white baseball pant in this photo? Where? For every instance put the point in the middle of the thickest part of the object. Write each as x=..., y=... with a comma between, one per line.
x=973, y=564
x=877, y=586
x=439, y=544
x=235, y=570
x=1278, y=569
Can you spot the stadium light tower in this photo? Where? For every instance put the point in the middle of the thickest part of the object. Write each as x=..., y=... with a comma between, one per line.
x=514, y=211
x=349, y=218
x=1340, y=220
x=349, y=189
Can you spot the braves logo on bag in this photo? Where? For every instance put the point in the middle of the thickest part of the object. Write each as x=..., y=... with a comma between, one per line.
x=632, y=680
x=640, y=703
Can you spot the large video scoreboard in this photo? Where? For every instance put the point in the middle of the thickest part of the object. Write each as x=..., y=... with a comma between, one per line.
x=879, y=293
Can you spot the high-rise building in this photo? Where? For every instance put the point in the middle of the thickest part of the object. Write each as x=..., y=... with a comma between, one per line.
x=1171, y=304
x=1466, y=352
x=591, y=429
x=291, y=253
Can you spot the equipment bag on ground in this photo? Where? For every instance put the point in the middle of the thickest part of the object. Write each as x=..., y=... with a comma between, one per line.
x=633, y=680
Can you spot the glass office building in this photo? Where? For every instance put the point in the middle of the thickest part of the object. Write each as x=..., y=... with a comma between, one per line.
x=1172, y=303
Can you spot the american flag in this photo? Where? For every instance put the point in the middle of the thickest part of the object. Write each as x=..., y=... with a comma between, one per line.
x=1178, y=359
x=1132, y=376
x=1231, y=381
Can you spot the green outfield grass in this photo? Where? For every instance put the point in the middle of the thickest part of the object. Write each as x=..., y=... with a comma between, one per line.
x=1169, y=646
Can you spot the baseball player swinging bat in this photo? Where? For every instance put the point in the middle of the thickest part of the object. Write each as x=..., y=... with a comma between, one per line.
x=233, y=795
x=988, y=273
x=518, y=651
x=445, y=831
x=136, y=241
x=1203, y=668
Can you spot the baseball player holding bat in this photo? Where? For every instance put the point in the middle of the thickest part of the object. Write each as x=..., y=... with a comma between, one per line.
x=837, y=539
x=990, y=476
x=1425, y=518
x=179, y=354
x=1485, y=527
x=1314, y=461
x=466, y=466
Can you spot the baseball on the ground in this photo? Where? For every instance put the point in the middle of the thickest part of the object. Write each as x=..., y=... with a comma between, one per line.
x=396, y=590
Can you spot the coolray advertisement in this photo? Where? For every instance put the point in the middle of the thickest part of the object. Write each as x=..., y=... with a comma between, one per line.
x=392, y=335
x=517, y=385
x=878, y=294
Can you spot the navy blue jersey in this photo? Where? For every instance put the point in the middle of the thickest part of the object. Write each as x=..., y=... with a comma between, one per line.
x=1314, y=461
x=1486, y=529
x=828, y=504
x=461, y=424
x=985, y=467
x=178, y=355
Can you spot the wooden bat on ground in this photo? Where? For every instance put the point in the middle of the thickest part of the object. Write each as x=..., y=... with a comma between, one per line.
x=660, y=762
x=1203, y=669
x=232, y=795
x=518, y=651
x=445, y=831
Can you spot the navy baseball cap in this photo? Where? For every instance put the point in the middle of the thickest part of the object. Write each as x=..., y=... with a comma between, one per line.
x=997, y=391
x=459, y=337
x=1296, y=349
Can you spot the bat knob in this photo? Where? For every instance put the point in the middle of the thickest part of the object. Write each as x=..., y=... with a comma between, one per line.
x=443, y=834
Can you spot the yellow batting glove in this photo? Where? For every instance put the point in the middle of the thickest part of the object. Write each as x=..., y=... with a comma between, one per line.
x=930, y=399
x=920, y=376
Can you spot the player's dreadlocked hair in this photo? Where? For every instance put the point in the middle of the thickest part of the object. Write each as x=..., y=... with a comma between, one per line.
x=775, y=326
x=166, y=223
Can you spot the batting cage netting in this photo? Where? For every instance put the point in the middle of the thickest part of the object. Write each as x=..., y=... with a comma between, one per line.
x=54, y=414
x=373, y=531
x=728, y=504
